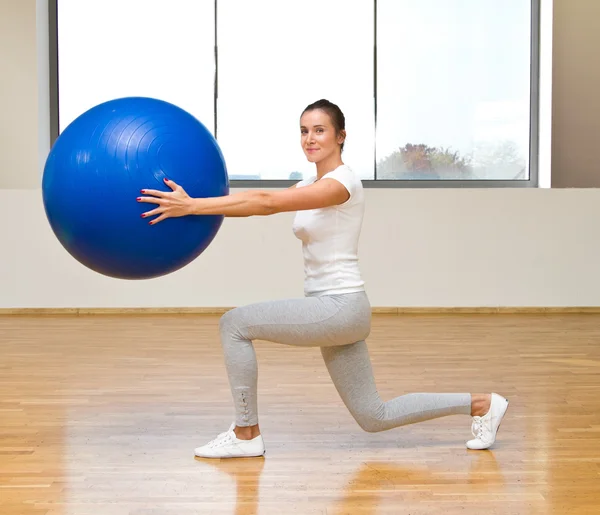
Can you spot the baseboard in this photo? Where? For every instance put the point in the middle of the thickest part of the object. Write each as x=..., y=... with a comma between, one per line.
x=382, y=310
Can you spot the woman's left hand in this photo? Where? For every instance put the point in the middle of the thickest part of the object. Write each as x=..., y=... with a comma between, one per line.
x=171, y=204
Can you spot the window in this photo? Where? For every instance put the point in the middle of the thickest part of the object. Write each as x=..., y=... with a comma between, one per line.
x=275, y=58
x=435, y=92
x=109, y=49
x=453, y=89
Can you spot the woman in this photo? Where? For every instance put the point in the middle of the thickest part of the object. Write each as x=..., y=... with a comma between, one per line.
x=335, y=313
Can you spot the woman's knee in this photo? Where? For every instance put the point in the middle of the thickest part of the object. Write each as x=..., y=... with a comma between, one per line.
x=368, y=422
x=369, y=416
x=229, y=321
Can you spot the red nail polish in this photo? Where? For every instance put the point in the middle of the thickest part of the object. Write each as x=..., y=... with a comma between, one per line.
x=143, y=215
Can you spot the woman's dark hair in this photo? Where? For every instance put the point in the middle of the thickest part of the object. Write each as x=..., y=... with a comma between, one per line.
x=335, y=113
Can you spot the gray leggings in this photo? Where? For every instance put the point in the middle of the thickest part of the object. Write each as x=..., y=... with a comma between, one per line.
x=339, y=325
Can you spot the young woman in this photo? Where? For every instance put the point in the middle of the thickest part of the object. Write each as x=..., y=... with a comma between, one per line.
x=335, y=313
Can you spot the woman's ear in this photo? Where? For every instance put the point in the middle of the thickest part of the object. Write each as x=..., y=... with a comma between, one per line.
x=342, y=137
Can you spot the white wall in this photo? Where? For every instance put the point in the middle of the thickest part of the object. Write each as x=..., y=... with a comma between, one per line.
x=420, y=248
x=18, y=94
x=576, y=106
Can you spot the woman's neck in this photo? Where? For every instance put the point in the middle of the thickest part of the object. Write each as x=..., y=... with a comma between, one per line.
x=328, y=165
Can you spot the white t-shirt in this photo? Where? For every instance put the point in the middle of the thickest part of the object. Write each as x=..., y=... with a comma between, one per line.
x=330, y=239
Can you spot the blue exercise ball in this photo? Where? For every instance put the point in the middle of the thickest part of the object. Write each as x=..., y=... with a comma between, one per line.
x=99, y=164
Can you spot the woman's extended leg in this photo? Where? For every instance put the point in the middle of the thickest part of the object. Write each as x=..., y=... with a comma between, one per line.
x=352, y=374
x=350, y=369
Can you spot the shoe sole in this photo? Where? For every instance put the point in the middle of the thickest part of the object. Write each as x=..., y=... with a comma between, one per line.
x=502, y=419
x=231, y=457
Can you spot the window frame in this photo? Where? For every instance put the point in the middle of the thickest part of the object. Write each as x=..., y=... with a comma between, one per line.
x=534, y=114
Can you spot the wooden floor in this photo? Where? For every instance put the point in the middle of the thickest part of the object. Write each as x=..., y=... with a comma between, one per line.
x=100, y=415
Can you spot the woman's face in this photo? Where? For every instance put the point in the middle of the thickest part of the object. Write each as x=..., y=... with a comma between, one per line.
x=318, y=137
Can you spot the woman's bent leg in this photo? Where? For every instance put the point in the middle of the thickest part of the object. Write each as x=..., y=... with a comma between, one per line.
x=308, y=322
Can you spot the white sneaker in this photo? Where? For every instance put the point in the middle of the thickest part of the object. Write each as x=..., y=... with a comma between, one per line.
x=484, y=428
x=227, y=445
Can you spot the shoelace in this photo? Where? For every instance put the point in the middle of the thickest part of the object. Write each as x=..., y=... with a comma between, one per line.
x=221, y=440
x=477, y=427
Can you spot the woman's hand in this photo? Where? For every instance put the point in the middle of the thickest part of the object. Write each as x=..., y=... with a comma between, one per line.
x=171, y=204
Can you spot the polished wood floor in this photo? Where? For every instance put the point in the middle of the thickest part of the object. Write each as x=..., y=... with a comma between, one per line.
x=100, y=415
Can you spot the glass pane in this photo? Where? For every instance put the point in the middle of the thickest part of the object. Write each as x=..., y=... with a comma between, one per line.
x=277, y=57
x=453, y=89
x=109, y=49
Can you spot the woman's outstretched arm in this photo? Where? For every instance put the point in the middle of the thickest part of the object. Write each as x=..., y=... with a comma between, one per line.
x=175, y=203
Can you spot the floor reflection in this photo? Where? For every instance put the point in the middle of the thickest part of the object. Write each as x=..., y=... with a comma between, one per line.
x=423, y=487
x=374, y=487
x=245, y=472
